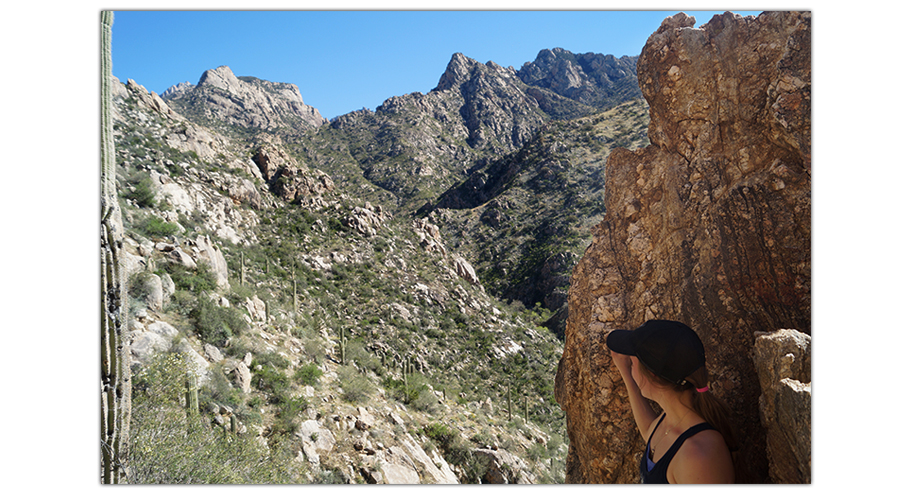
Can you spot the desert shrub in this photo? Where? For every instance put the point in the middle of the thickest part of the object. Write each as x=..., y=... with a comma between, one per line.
x=181, y=303
x=356, y=351
x=456, y=451
x=356, y=387
x=308, y=374
x=155, y=227
x=219, y=390
x=169, y=446
x=142, y=195
x=271, y=358
x=196, y=280
x=270, y=379
x=315, y=349
x=139, y=285
x=288, y=409
x=215, y=324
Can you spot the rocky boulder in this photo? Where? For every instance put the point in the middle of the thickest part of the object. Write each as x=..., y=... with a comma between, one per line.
x=504, y=468
x=784, y=363
x=709, y=225
x=366, y=220
x=315, y=439
x=211, y=254
x=160, y=337
x=287, y=179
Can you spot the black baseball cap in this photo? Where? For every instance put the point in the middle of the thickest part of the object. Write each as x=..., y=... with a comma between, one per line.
x=669, y=349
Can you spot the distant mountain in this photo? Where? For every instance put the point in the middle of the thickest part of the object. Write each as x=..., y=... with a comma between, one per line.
x=246, y=102
x=596, y=80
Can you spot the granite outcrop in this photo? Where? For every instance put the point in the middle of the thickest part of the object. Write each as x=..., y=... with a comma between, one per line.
x=710, y=225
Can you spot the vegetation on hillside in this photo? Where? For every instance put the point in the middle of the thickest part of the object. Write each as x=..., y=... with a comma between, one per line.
x=358, y=320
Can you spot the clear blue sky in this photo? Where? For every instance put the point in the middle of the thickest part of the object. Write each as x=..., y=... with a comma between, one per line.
x=346, y=60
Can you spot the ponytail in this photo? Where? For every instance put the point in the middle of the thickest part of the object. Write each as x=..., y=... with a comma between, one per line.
x=712, y=409
x=717, y=414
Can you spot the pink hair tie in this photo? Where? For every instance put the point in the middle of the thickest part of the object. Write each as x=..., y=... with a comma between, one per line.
x=702, y=389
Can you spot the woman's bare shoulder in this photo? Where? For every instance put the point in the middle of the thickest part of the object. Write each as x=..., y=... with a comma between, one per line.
x=703, y=458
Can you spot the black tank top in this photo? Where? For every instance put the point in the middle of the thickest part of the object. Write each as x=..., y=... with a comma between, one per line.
x=656, y=473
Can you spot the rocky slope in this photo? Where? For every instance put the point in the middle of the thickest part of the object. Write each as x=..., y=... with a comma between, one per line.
x=526, y=218
x=258, y=271
x=710, y=224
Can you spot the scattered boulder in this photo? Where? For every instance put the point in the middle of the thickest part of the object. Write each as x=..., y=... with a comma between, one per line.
x=212, y=255
x=465, y=270
x=366, y=220
x=154, y=289
x=365, y=419
x=504, y=468
x=242, y=376
x=256, y=308
x=160, y=337
x=213, y=353
x=314, y=439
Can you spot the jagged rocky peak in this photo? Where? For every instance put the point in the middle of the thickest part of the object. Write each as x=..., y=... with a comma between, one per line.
x=587, y=78
x=458, y=71
x=221, y=77
x=249, y=101
x=462, y=69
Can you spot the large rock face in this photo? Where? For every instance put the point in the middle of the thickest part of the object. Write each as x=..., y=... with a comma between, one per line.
x=709, y=225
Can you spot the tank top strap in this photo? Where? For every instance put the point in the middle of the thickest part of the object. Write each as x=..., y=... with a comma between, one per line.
x=657, y=427
x=702, y=426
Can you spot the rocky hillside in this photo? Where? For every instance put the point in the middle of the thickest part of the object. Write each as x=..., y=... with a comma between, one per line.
x=710, y=225
x=525, y=219
x=279, y=263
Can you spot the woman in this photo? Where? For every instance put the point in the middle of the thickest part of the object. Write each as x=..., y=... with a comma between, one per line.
x=691, y=440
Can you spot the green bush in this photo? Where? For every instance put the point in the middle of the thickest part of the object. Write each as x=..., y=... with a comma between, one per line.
x=456, y=451
x=216, y=324
x=271, y=358
x=139, y=285
x=272, y=380
x=143, y=194
x=155, y=227
x=169, y=447
x=308, y=374
x=196, y=280
x=288, y=411
x=356, y=387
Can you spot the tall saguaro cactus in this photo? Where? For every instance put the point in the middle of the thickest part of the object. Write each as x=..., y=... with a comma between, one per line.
x=115, y=354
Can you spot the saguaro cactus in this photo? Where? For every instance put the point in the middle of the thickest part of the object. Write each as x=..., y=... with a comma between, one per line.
x=242, y=268
x=294, y=283
x=342, y=344
x=192, y=403
x=115, y=351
